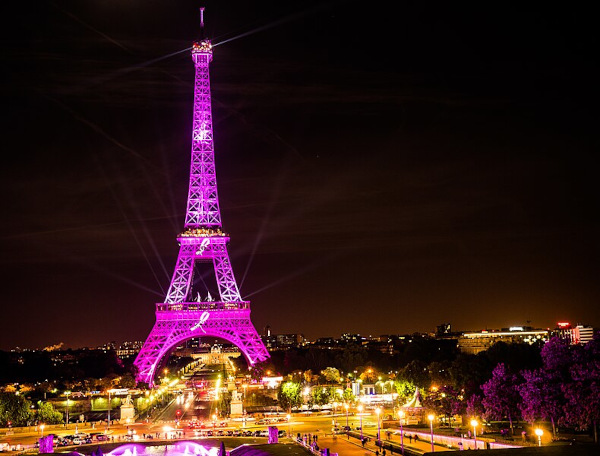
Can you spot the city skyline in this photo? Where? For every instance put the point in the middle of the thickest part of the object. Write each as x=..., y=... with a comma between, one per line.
x=380, y=170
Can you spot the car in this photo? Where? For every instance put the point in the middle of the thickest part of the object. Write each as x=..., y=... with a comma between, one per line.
x=346, y=428
x=229, y=433
x=248, y=433
x=220, y=433
x=264, y=433
x=209, y=433
x=281, y=433
x=261, y=421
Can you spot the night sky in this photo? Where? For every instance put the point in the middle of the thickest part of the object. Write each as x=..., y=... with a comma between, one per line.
x=381, y=169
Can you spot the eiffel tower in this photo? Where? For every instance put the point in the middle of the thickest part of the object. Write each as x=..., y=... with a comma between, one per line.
x=181, y=317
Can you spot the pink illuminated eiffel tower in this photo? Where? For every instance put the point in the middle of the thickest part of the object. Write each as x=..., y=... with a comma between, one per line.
x=180, y=317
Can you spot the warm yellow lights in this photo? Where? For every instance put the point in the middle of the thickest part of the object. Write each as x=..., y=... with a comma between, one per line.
x=430, y=417
x=474, y=423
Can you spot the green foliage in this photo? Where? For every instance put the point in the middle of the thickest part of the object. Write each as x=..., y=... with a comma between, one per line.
x=405, y=389
x=331, y=375
x=348, y=396
x=289, y=395
x=47, y=414
x=334, y=394
x=320, y=395
x=14, y=409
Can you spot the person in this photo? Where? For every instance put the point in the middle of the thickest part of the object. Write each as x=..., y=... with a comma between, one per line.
x=460, y=446
x=409, y=438
x=363, y=442
x=383, y=452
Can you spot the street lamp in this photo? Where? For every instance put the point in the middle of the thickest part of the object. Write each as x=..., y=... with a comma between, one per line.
x=430, y=417
x=288, y=420
x=377, y=412
x=474, y=423
x=401, y=415
x=346, y=407
x=42, y=429
x=360, y=409
x=539, y=432
x=108, y=416
x=67, y=393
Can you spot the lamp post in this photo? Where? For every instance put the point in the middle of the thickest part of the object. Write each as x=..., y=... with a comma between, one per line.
x=67, y=393
x=401, y=419
x=108, y=416
x=377, y=412
x=288, y=420
x=474, y=423
x=346, y=407
x=539, y=432
x=431, y=417
x=42, y=429
x=360, y=409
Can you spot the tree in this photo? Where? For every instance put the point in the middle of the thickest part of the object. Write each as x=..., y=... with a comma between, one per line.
x=542, y=390
x=127, y=381
x=542, y=397
x=501, y=396
x=331, y=375
x=14, y=409
x=348, y=396
x=475, y=407
x=47, y=414
x=319, y=395
x=416, y=372
x=445, y=401
x=405, y=390
x=369, y=375
x=289, y=395
x=583, y=392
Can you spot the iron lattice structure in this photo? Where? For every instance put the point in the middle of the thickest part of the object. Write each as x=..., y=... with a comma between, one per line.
x=180, y=317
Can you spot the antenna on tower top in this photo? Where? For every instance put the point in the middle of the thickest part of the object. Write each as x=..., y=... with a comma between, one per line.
x=201, y=22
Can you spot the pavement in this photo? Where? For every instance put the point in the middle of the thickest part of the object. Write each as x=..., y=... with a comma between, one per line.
x=345, y=445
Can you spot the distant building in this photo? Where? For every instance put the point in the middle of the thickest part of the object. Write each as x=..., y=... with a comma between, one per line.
x=579, y=334
x=475, y=342
x=326, y=342
x=129, y=349
x=282, y=341
x=352, y=339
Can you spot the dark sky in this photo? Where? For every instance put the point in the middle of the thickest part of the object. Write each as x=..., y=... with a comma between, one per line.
x=381, y=169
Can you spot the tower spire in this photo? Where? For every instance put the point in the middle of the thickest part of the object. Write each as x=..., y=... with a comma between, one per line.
x=201, y=22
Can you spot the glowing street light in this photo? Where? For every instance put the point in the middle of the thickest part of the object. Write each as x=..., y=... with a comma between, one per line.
x=474, y=423
x=67, y=393
x=360, y=409
x=430, y=417
x=42, y=426
x=539, y=432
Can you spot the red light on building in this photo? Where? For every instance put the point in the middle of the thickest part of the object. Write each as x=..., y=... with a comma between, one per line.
x=563, y=324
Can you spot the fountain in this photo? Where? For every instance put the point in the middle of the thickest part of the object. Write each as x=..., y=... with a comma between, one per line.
x=181, y=448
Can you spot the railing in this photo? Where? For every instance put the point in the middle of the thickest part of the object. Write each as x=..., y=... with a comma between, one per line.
x=195, y=306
